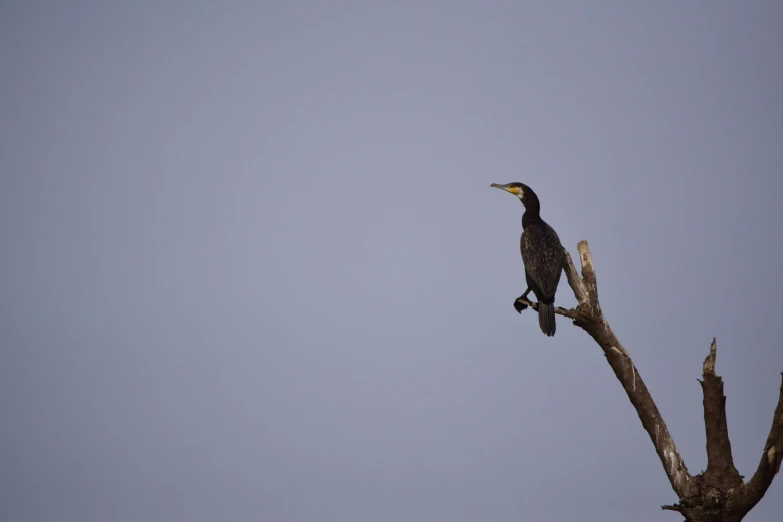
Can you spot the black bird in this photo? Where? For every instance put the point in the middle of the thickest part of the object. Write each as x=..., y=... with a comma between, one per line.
x=542, y=255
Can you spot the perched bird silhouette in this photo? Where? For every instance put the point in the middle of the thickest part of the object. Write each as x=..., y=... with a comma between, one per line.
x=542, y=255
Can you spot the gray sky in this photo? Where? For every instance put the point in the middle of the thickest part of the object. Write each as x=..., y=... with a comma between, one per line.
x=253, y=270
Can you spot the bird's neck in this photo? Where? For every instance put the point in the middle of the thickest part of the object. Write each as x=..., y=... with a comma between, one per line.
x=531, y=217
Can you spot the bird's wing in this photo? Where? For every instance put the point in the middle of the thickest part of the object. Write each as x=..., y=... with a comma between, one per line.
x=542, y=254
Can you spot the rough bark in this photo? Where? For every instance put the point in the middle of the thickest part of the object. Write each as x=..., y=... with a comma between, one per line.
x=718, y=494
x=720, y=464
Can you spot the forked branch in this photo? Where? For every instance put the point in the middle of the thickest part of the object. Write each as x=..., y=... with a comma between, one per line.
x=588, y=316
x=719, y=493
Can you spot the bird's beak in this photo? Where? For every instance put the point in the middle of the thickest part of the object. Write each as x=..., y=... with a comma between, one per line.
x=513, y=190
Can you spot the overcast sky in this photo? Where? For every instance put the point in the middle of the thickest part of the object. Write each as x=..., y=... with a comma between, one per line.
x=252, y=268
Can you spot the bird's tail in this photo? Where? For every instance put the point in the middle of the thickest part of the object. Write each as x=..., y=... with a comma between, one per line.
x=546, y=318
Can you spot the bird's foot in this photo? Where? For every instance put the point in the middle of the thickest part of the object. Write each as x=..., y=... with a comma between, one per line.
x=519, y=305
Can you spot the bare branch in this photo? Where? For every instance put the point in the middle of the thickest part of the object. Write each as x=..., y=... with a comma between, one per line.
x=709, y=362
x=571, y=313
x=574, y=281
x=769, y=464
x=588, y=272
x=673, y=507
x=718, y=493
x=591, y=319
x=720, y=464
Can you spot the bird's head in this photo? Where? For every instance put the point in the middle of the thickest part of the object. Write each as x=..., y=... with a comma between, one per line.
x=523, y=192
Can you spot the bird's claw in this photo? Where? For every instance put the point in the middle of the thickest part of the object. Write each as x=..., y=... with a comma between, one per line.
x=519, y=305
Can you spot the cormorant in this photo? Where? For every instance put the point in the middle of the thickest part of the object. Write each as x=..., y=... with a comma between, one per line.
x=542, y=255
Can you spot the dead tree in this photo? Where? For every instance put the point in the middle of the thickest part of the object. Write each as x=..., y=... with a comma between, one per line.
x=719, y=493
